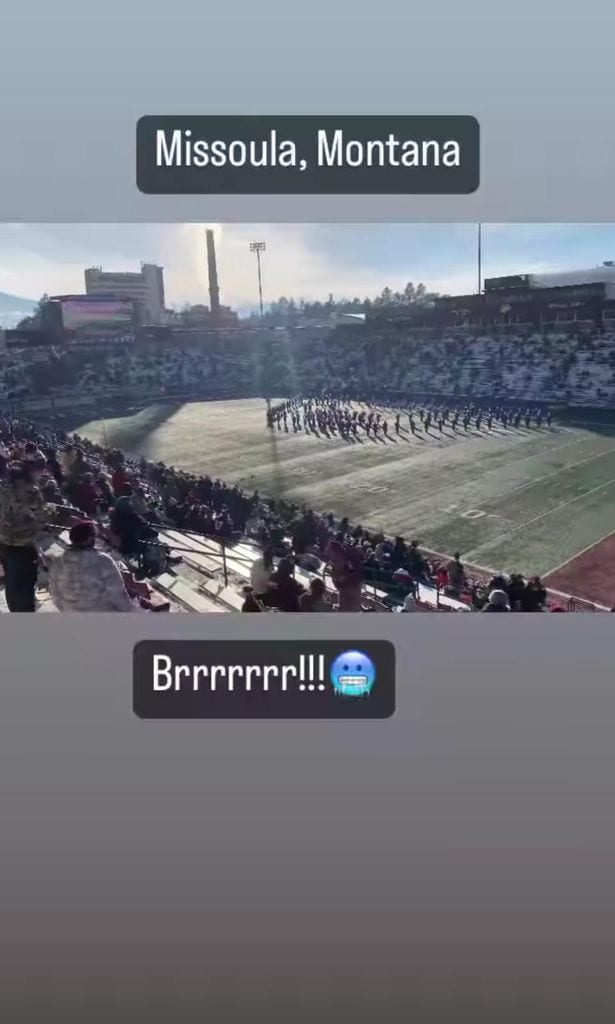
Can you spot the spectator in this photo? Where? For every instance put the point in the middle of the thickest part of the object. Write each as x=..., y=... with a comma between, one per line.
x=498, y=602
x=517, y=591
x=442, y=578
x=52, y=493
x=251, y=603
x=399, y=554
x=5, y=456
x=130, y=528
x=67, y=461
x=119, y=478
x=260, y=572
x=140, y=503
x=531, y=597
x=456, y=574
x=284, y=591
x=33, y=454
x=315, y=600
x=23, y=514
x=86, y=495
x=347, y=575
x=103, y=483
x=54, y=466
x=84, y=579
x=416, y=563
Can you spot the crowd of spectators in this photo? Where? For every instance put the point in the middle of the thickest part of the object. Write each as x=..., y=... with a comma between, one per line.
x=102, y=368
x=47, y=475
x=568, y=364
x=361, y=562
x=49, y=480
x=572, y=366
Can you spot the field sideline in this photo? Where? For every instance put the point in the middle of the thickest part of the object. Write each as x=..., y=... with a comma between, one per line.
x=528, y=500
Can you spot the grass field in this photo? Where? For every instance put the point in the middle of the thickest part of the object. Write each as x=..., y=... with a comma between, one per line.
x=533, y=501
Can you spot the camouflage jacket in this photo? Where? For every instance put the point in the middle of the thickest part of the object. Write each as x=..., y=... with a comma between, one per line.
x=87, y=581
x=22, y=513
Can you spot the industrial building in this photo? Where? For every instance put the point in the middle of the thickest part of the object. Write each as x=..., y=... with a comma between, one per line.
x=145, y=289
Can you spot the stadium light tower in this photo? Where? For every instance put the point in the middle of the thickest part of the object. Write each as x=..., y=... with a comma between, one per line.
x=480, y=259
x=258, y=248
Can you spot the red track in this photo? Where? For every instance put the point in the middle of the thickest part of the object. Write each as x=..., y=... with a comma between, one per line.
x=590, y=575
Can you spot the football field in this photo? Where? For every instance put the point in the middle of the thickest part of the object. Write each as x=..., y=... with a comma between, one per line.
x=536, y=501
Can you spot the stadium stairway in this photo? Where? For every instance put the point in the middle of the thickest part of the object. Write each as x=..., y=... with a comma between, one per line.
x=203, y=577
x=197, y=584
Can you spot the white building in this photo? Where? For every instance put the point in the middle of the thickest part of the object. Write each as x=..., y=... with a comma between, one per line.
x=603, y=274
x=145, y=288
x=348, y=318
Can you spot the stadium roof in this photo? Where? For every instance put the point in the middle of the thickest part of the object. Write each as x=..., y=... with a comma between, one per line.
x=350, y=318
x=604, y=274
x=90, y=298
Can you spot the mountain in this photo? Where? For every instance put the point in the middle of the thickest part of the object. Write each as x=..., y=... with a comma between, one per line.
x=13, y=308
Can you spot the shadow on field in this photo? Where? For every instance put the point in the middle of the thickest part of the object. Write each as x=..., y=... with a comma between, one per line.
x=599, y=429
x=277, y=481
x=130, y=432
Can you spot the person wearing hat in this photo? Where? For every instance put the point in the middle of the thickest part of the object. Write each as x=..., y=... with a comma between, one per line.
x=456, y=573
x=315, y=599
x=84, y=579
x=347, y=574
x=415, y=562
x=498, y=602
x=23, y=514
x=32, y=453
x=284, y=591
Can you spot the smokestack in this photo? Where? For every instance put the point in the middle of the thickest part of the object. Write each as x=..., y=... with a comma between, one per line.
x=214, y=291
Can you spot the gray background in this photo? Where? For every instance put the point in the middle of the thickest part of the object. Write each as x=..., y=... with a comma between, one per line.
x=454, y=863
x=538, y=75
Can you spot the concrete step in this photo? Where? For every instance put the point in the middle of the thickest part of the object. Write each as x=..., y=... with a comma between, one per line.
x=190, y=598
x=215, y=589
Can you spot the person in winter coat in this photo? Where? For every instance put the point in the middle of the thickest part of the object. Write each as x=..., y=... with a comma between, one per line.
x=23, y=514
x=84, y=579
x=131, y=528
x=498, y=602
x=260, y=572
x=347, y=575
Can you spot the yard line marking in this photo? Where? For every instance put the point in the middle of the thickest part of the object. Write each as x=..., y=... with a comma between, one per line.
x=496, y=469
x=543, y=515
x=530, y=483
x=405, y=461
x=556, y=472
x=583, y=551
x=575, y=597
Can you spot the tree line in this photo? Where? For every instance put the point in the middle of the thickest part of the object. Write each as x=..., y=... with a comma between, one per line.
x=286, y=312
x=388, y=303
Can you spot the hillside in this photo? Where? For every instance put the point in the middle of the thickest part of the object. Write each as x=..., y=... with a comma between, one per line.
x=13, y=308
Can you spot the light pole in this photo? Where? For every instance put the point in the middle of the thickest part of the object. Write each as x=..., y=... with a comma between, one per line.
x=258, y=248
x=480, y=259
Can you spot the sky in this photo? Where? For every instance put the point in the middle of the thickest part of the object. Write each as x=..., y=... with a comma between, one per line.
x=306, y=261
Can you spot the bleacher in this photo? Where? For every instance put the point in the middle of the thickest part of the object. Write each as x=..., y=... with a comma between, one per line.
x=216, y=573
x=211, y=577
x=573, y=364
